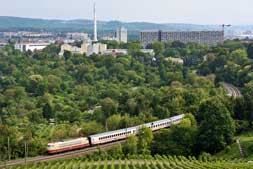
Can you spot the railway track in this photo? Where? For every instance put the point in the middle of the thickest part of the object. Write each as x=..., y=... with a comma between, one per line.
x=59, y=156
x=232, y=90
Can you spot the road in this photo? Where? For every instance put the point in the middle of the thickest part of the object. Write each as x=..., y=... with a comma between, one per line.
x=60, y=156
x=232, y=90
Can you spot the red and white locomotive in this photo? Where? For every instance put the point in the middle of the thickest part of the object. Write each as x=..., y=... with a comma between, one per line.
x=108, y=137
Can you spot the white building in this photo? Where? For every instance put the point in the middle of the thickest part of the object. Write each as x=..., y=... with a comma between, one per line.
x=125, y=51
x=115, y=52
x=88, y=48
x=121, y=34
x=24, y=47
x=176, y=60
x=109, y=38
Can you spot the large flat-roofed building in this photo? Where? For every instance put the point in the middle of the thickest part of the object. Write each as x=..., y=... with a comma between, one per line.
x=201, y=37
x=24, y=47
x=88, y=48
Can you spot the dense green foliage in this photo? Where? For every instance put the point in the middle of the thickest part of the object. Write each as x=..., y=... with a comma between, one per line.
x=47, y=98
x=246, y=141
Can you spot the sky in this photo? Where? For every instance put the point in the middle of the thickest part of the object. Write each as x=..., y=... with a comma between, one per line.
x=157, y=11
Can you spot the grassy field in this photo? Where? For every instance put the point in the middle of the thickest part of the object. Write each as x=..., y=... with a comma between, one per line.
x=232, y=152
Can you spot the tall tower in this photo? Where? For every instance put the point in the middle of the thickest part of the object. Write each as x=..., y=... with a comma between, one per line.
x=95, y=39
x=121, y=34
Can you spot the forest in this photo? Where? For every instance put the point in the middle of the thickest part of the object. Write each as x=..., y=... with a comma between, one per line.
x=45, y=97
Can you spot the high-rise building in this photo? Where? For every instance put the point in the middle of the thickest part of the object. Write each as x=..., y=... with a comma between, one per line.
x=95, y=38
x=201, y=37
x=121, y=34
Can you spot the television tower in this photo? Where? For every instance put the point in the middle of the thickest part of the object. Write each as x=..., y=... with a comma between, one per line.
x=95, y=38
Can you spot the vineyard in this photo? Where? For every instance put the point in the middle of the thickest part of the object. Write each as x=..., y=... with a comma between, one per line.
x=157, y=162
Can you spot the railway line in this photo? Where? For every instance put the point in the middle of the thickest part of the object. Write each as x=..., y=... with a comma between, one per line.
x=59, y=156
x=232, y=90
x=102, y=140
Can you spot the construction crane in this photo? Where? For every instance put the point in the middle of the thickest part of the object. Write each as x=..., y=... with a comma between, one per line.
x=223, y=31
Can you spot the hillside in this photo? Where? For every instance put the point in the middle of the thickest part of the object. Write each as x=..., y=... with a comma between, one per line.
x=13, y=23
x=232, y=151
x=46, y=98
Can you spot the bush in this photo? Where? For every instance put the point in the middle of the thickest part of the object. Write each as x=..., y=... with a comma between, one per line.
x=250, y=148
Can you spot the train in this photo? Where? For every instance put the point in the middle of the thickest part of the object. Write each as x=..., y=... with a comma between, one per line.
x=108, y=137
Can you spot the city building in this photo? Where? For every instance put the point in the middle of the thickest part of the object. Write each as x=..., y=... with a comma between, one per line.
x=77, y=36
x=116, y=52
x=176, y=60
x=201, y=37
x=28, y=35
x=125, y=51
x=2, y=44
x=121, y=34
x=24, y=47
x=108, y=38
x=87, y=48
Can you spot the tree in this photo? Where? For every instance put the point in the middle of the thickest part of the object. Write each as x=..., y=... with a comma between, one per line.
x=134, y=48
x=91, y=128
x=109, y=107
x=114, y=122
x=48, y=112
x=239, y=56
x=249, y=109
x=178, y=140
x=177, y=44
x=131, y=145
x=145, y=137
x=216, y=129
x=158, y=48
x=117, y=151
x=250, y=51
x=239, y=108
x=54, y=83
x=37, y=85
x=67, y=55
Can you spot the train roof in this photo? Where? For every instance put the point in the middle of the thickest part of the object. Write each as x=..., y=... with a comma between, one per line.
x=67, y=140
x=137, y=127
x=113, y=132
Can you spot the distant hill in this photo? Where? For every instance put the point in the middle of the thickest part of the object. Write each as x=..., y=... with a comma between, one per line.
x=8, y=23
x=13, y=23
